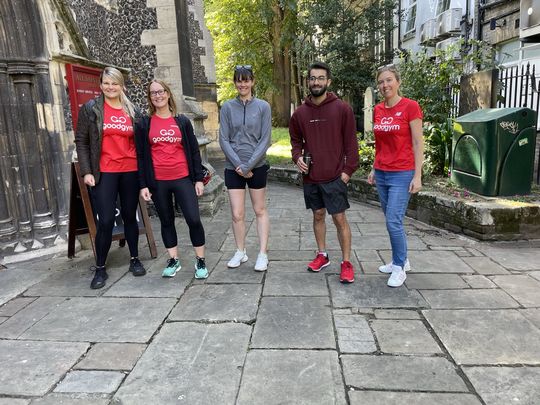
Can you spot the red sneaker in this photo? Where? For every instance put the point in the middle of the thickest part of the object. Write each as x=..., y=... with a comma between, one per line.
x=347, y=272
x=320, y=262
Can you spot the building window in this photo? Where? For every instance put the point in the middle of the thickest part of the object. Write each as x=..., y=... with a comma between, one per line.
x=442, y=5
x=410, y=17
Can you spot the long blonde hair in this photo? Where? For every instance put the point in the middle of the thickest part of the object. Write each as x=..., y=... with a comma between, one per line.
x=171, y=102
x=118, y=77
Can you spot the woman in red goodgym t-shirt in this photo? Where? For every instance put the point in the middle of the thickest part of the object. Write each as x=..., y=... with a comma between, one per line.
x=108, y=162
x=170, y=165
x=397, y=170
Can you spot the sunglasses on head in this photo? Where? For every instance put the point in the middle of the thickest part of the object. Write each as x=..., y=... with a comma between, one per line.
x=243, y=67
x=389, y=66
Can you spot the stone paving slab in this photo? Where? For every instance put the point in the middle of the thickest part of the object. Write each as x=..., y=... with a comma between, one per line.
x=354, y=334
x=102, y=320
x=293, y=284
x=252, y=244
x=73, y=399
x=454, y=299
x=523, y=289
x=478, y=281
x=218, y=302
x=522, y=259
x=243, y=274
x=429, y=261
x=111, y=356
x=372, y=292
x=435, y=281
x=486, y=336
x=189, y=363
x=3, y=319
x=404, y=337
x=45, y=362
x=484, y=265
x=300, y=377
x=294, y=322
x=15, y=305
x=14, y=401
x=396, y=314
x=506, y=385
x=152, y=285
x=407, y=373
x=90, y=381
x=532, y=314
x=15, y=280
x=29, y=316
x=410, y=398
x=535, y=275
x=368, y=255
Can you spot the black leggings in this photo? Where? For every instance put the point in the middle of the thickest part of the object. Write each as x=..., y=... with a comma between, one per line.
x=104, y=195
x=184, y=194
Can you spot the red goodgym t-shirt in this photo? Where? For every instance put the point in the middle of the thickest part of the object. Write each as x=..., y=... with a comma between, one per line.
x=168, y=153
x=118, y=145
x=393, y=137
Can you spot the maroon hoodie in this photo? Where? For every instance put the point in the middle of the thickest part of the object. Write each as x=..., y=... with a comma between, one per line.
x=328, y=132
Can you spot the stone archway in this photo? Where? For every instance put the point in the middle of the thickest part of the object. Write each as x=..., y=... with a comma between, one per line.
x=29, y=183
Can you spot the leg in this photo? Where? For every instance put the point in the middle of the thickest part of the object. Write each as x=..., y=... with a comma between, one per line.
x=128, y=189
x=162, y=198
x=184, y=194
x=398, y=199
x=237, y=199
x=258, y=200
x=344, y=234
x=319, y=228
x=104, y=199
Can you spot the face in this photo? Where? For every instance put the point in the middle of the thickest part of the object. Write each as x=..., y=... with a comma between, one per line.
x=158, y=95
x=111, y=89
x=244, y=87
x=318, y=82
x=387, y=84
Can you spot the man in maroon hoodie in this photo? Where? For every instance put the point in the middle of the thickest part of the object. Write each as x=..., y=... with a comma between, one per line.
x=323, y=135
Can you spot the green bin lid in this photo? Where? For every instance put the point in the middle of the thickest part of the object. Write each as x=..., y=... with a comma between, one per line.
x=490, y=114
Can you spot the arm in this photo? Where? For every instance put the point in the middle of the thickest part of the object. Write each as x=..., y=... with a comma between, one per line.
x=141, y=136
x=264, y=142
x=82, y=145
x=297, y=143
x=418, y=150
x=225, y=130
x=350, y=144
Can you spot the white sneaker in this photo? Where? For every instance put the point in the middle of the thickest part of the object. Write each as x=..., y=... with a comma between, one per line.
x=387, y=268
x=262, y=262
x=238, y=258
x=398, y=277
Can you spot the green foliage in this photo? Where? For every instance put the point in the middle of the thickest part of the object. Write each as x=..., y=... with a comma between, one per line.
x=366, y=156
x=279, y=153
x=438, y=145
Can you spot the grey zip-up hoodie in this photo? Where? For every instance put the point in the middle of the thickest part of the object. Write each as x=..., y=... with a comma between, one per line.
x=245, y=133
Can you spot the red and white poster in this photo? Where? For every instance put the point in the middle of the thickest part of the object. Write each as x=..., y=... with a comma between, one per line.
x=83, y=85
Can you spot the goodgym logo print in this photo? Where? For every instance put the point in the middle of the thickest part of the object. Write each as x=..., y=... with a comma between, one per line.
x=386, y=125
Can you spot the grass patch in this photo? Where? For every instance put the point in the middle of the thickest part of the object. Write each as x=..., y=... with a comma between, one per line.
x=279, y=153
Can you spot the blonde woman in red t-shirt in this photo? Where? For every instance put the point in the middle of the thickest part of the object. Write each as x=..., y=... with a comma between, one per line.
x=170, y=166
x=397, y=170
x=108, y=162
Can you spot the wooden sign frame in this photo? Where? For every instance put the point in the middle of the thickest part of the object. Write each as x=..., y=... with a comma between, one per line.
x=82, y=219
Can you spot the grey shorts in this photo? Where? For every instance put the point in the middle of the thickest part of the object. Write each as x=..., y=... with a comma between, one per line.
x=331, y=195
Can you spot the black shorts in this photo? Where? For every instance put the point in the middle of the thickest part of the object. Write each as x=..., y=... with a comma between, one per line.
x=234, y=181
x=331, y=195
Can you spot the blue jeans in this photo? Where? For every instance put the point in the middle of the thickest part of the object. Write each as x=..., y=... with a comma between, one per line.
x=393, y=189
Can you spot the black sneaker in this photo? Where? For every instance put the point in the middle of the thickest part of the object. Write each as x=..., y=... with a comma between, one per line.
x=100, y=276
x=136, y=267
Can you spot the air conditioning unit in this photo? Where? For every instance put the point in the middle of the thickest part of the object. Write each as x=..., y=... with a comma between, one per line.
x=447, y=43
x=428, y=31
x=449, y=22
x=529, y=20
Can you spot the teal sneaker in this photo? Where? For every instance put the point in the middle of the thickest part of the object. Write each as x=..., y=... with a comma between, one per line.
x=200, y=268
x=173, y=266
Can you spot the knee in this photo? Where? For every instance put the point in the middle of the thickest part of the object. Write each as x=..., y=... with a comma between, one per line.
x=339, y=219
x=260, y=212
x=319, y=215
x=238, y=216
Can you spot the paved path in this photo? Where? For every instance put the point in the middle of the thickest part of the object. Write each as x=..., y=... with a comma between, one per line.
x=465, y=329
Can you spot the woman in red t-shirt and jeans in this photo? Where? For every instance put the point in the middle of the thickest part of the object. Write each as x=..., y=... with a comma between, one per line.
x=108, y=162
x=170, y=165
x=397, y=170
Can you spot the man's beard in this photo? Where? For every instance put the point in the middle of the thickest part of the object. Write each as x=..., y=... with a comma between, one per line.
x=317, y=92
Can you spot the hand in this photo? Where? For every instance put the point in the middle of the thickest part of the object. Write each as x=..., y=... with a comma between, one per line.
x=199, y=188
x=249, y=175
x=89, y=180
x=371, y=177
x=145, y=194
x=416, y=185
x=345, y=177
x=301, y=165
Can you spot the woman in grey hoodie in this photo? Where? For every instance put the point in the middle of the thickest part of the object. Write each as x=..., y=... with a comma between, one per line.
x=244, y=136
